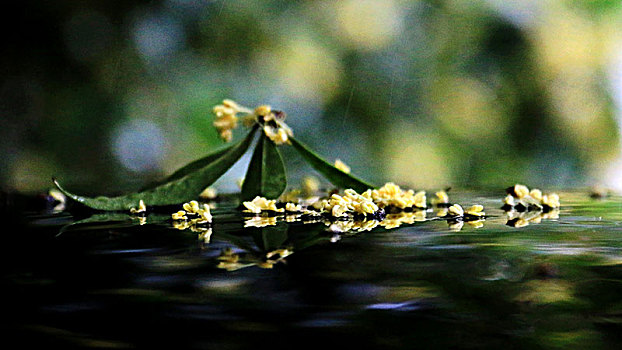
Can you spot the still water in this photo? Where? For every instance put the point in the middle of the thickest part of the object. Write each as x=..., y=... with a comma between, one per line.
x=115, y=282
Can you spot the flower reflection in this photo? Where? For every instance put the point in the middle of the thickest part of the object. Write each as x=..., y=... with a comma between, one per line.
x=521, y=219
x=396, y=220
x=260, y=221
x=232, y=261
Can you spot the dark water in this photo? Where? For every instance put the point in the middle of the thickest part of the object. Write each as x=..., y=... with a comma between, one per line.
x=111, y=282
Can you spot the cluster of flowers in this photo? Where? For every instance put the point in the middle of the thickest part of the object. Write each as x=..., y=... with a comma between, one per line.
x=273, y=122
x=351, y=203
x=520, y=198
x=193, y=214
x=392, y=196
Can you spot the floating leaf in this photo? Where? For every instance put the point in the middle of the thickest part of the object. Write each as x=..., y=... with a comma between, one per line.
x=334, y=175
x=265, y=176
x=182, y=189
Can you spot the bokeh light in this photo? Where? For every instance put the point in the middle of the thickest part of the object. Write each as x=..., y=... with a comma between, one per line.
x=426, y=93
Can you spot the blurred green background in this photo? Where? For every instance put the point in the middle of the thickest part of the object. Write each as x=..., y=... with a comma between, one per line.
x=110, y=95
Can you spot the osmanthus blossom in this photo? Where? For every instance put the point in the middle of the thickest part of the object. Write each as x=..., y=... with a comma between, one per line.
x=392, y=195
x=192, y=214
x=142, y=208
x=259, y=204
x=520, y=197
x=342, y=166
x=272, y=122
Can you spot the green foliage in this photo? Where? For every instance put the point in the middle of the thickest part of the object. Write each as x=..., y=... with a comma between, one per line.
x=334, y=175
x=265, y=176
x=178, y=190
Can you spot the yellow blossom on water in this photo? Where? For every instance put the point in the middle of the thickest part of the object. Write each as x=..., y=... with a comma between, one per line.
x=456, y=210
x=521, y=191
x=536, y=194
x=260, y=204
x=442, y=212
x=291, y=207
x=204, y=214
x=440, y=197
x=191, y=207
x=476, y=210
x=180, y=215
x=141, y=208
x=508, y=200
x=342, y=166
x=351, y=201
x=419, y=199
x=551, y=200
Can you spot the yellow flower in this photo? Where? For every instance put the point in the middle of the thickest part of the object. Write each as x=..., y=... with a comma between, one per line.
x=551, y=200
x=456, y=210
x=263, y=110
x=476, y=210
x=392, y=195
x=180, y=215
x=191, y=207
x=441, y=197
x=342, y=166
x=291, y=207
x=419, y=200
x=536, y=194
x=259, y=204
x=508, y=200
x=204, y=214
x=141, y=208
x=521, y=191
x=278, y=135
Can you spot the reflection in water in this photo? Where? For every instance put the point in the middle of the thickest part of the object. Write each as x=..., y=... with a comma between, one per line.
x=417, y=283
x=523, y=218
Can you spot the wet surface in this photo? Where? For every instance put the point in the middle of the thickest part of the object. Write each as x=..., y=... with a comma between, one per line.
x=110, y=281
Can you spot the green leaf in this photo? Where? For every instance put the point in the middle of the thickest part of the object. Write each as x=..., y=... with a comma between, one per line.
x=190, y=167
x=265, y=176
x=334, y=175
x=182, y=189
x=198, y=164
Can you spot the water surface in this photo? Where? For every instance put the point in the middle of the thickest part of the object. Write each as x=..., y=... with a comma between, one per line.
x=114, y=282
